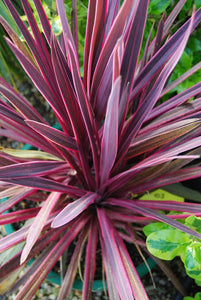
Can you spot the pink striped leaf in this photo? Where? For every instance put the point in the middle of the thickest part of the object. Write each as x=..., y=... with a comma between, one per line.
x=162, y=136
x=15, y=38
x=38, y=223
x=171, y=205
x=136, y=284
x=44, y=263
x=168, y=178
x=44, y=20
x=152, y=213
x=118, y=269
x=21, y=193
x=53, y=134
x=133, y=45
x=65, y=26
x=112, y=290
x=46, y=185
x=181, y=78
x=114, y=34
x=70, y=275
x=90, y=260
x=20, y=102
x=85, y=108
x=110, y=133
x=13, y=238
x=27, y=169
x=163, y=55
x=97, y=36
x=40, y=82
x=175, y=101
x=150, y=100
x=17, y=216
x=89, y=36
x=72, y=210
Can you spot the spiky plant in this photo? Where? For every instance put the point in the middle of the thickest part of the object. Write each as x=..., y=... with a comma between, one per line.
x=118, y=141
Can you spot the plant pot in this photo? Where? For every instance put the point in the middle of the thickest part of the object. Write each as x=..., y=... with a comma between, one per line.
x=98, y=285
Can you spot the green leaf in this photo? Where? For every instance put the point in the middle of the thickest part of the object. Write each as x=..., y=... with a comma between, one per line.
x=155, y=226
x=56, y=25
x=157, y=7
x=168, y=243
x=198, y=282
x=52, y=5
x=4, y=12
x=192, y=260
x=198, y=5
x=194, y=222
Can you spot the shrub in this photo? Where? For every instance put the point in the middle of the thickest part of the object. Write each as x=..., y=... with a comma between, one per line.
x=117, y=141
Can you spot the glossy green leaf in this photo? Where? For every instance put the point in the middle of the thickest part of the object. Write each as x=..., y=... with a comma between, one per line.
x=194, y=223
x=157, y=7
x=168, y=243
x=192, y=260
x=197, y=297
x=155, y=226
x=4, y=12
x=198, y=5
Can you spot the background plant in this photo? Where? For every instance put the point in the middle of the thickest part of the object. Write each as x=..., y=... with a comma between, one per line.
x=118, y=141
x=166, y=242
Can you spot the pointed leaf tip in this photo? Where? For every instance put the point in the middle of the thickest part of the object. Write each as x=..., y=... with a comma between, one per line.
x=72, y=210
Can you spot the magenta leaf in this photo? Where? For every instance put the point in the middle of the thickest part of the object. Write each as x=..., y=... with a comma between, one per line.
x=30, y=169
x=110, y=133
x=39, y=223
x=45, y=184
x=118, y=269
x=53, y=134
x=72, y=210
x=154, y=214
x=119, y=138
x=90, y=259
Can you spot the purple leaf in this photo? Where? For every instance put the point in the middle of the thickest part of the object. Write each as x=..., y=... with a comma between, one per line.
x=13, y=238
x=72, y=210
x=20, y=193
x=44, y=20
x=118, y=269
x=40, y=82
x=69, y=278
x=90, y=260
x=65, y=26
x=133, y=44
x=27, y=169
x=181, y=78
x=162, y=136
x=168, y=178
x=37, y=272
x=163, y=55
x=110, y=133
x=85, y=108
x=20, y=103
x=96, y=38
x=154, y=214
x=46, y=185
x=18, y=216
x=38, y=223
x=113, y=36
x=150, y=100
x=53, y=134
x=175, y=101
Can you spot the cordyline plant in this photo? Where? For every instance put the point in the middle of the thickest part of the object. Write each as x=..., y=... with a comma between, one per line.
x=118, y=141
